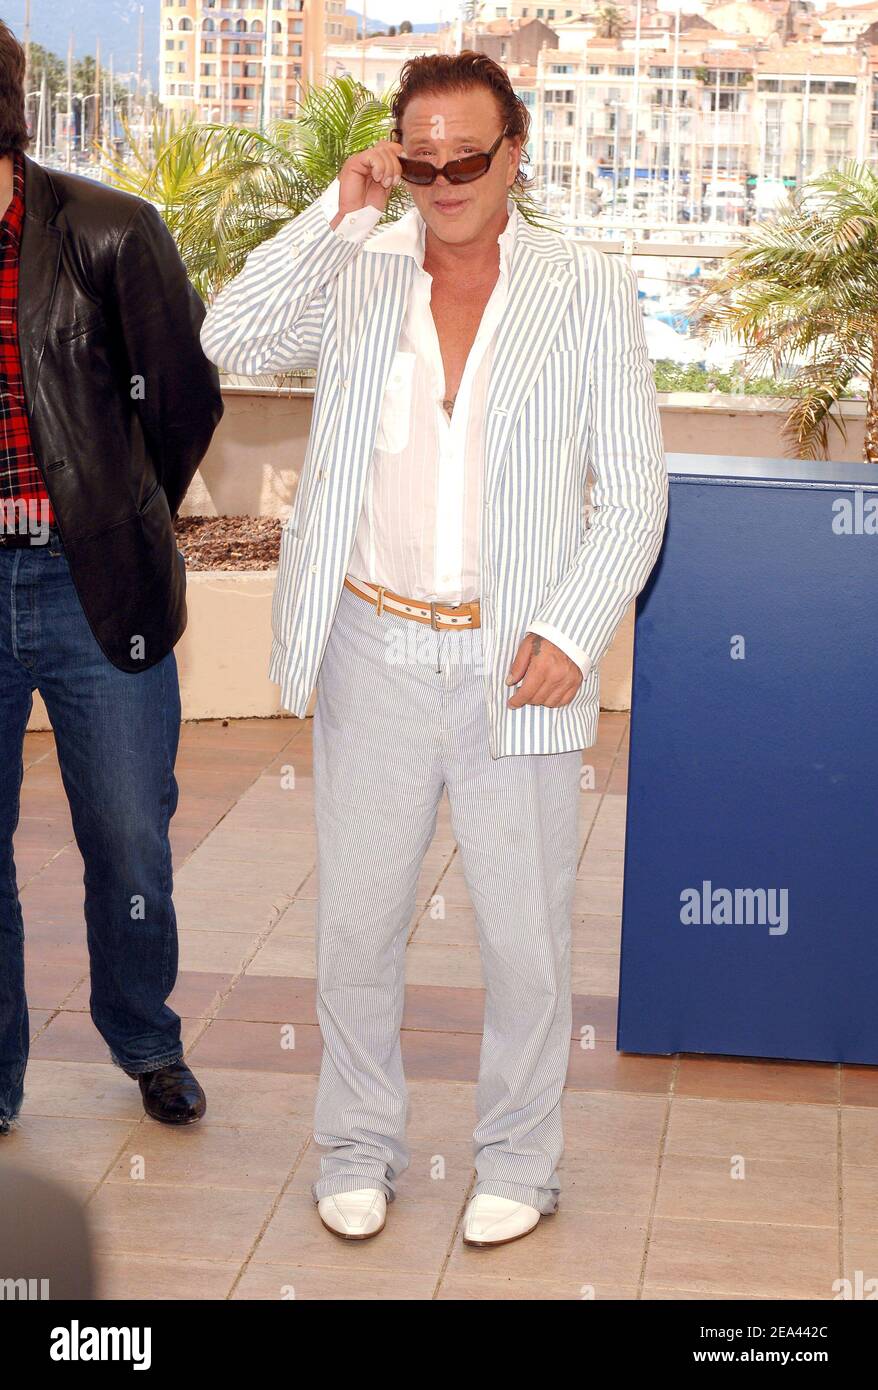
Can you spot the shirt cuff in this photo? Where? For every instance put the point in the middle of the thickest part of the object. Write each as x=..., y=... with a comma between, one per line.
x=567, y=647
x=355, y=226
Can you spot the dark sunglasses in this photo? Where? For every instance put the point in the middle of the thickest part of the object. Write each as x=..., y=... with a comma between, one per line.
x=472, y=166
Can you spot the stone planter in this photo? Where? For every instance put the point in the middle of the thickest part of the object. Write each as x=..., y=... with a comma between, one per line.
x=223, y=654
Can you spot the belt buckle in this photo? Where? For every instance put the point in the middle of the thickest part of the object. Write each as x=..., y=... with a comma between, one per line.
x=433, y=623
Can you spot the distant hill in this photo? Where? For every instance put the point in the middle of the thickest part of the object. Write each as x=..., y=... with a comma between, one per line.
x=373, y=26
x=114, y=21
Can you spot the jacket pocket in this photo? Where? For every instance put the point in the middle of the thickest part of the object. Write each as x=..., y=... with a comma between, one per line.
x=87, y=324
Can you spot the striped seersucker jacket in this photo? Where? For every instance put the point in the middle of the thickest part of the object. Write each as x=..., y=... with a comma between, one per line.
x=570, y=390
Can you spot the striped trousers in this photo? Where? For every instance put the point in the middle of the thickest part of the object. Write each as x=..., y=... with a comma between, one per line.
x=401, y=715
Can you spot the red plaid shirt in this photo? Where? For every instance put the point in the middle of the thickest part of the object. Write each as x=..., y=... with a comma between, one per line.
x=20, y=477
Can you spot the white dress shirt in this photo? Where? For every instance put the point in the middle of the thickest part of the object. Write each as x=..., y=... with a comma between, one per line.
x=419, y=531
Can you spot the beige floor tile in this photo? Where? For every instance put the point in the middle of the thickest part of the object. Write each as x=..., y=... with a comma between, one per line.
x=309, y=887
x=752, y=1129
x=442, y=1110
x=739, y=1257
x=757, y=1079
x=252, y=1099
x=245, y=914
x=621, y=1183
x=604, y=1120
x=258, y=1158
x=286, y=956
x=601, y=895
x=776, y=1191
x=71, y=1150
x=462, y=1287
x=606, y=838
x=456, y=967
x=860, y=1266
x=298, y=919
x=860, y=1197
x=455, y=927
x=344, y=1284
x=859, y=1135
x=595, y=932
x=655, y=1293
x=222, y=952
x=80, y=1089
x=232, y=841
x=601, y=863
x=594, y=972
x=214, y=872
x=288, y=1048
x=145, y=1277
x=451, y=887
x=202, y=1223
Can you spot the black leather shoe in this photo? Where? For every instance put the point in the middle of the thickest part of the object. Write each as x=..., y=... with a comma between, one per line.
x=171, y=1095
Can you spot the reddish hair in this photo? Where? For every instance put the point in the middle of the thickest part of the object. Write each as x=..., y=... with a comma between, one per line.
x=458, y=72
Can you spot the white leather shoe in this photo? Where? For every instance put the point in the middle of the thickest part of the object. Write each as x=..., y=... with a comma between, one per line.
x=354, y=1215
x=497, y=1220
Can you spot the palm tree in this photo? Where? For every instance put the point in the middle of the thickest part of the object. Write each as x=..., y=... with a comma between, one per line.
x=802, y=297
x=224, y=189
x=611, y=21
x=144, y=160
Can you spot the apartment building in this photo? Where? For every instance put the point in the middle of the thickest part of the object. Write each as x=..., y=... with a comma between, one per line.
x=245, y=63
x=376, y=62
x=723, y=116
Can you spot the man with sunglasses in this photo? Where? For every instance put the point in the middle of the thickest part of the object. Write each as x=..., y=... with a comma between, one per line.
x=437, y=572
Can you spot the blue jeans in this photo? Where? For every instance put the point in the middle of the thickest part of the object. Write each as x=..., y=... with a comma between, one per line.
x=116, y=735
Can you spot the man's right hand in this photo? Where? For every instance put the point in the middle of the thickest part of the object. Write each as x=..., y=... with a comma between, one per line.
x=366, y=179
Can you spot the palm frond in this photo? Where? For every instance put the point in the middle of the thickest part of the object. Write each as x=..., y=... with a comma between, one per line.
x=801, y=298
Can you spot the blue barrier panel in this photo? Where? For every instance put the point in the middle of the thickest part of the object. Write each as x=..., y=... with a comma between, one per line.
x=750, y=914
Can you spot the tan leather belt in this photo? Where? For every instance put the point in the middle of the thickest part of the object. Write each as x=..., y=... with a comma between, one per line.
x=440, y=616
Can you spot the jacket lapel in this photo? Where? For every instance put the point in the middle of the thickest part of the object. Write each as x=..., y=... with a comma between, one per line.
x=540, y=285
x=38, y=273
x=380, y=278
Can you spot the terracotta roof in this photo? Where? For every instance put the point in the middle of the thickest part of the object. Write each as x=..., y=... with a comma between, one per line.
x=853, y=12
x=727, y=58
x=696, y=23
x=801, y=58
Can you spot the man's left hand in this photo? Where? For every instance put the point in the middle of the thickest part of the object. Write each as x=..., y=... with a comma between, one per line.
x=547, y=675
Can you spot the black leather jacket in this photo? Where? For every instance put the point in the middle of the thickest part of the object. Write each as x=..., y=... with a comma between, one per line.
x=121, y=399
